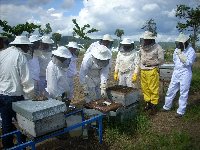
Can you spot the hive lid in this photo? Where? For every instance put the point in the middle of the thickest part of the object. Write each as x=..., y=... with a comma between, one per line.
x=35, y=110
x=166, y=66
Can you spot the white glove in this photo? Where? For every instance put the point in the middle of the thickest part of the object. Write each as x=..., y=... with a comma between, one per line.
x=103, y=93
x=178, y=52
x=182, y=58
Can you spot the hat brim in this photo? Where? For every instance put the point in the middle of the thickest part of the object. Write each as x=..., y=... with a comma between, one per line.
x=56, y=53
x=17, y=43
x=97, y=56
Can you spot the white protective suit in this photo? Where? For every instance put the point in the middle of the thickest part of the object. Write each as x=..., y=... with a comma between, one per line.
x=93, y=76
x=15, y=80
x=35, y=71
x=44, y=59
x=71, y=73
x=126, y=65
x=181, y=78
x=56, y=79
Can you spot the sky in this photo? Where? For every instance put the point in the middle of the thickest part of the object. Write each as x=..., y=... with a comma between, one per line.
x=104, y=15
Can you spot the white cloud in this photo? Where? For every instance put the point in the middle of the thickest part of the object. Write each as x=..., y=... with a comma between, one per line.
x=150, y=7
x=67, y=4
x=103, y=15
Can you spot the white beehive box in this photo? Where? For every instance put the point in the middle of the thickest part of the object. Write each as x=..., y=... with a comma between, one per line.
x=40, y=117
x=166, y=71
x=124, y=95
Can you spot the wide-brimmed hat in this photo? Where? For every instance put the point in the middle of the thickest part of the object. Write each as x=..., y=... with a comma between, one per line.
x=101, y=52
x=47, y=40
x=34, y=38
x=73, y=45
x=62, y=52
x=21, y=40
x=127, y=41
x=107, y=37
x=182, y=38
x=148, y=35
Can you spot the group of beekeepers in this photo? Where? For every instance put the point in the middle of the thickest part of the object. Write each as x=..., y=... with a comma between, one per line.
x=30, y=68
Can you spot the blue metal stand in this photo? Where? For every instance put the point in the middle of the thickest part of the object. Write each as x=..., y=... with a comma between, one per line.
x=84, y=122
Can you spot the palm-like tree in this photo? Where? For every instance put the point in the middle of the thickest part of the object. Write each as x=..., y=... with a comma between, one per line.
x=119, y=33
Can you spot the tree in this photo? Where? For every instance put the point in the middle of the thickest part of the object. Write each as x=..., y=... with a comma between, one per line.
x=119, y=33
x=150, y=25
x=46, y=30
x=82, y=32
x=56, y=37
x=18, y=29
x=190, y=18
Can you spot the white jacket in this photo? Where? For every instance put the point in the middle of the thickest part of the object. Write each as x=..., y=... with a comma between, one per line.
x=15, y=78
x=91, y=74
x=126, y=61
x=44, y=59
x=56, y=80
x=34, y=67
x=72, y=69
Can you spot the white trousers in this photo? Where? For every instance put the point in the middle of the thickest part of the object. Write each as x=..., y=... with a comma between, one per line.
x=181, y=79
x=125, y=79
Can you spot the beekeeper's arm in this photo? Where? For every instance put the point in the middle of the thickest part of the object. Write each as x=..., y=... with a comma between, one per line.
x=25, y=77
x=104, y=78
x=85, y=68
x=189, y=59
x=52, y=83
x=116, y=77
x=136, y=64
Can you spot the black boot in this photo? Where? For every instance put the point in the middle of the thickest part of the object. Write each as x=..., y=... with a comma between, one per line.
x=147, y=106
x=153, y=109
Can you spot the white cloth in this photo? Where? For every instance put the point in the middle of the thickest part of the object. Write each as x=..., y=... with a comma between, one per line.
x=56, y=80
x=34, y=68
x=126, y=63
x=15, y=78
x=181, y=78
x=44, y=58
x=92, y=75
x=71, y=73
x=72, y=69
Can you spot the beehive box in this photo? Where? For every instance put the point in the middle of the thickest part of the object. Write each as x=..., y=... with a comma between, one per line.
x=124, y=95
x=40, y=117
x=125, y=113
x=166, y=71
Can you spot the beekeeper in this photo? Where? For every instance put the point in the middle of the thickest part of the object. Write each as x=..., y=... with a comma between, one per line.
x=72, y=69
x=34, y=61
x=44, y=59
x=15, y=83
x=94, y=73
x=183, y=57
x=152, y=56
x=127, y=64
x=57, y=84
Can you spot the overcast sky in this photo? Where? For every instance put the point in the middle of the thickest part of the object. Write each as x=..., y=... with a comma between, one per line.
x=104, y=15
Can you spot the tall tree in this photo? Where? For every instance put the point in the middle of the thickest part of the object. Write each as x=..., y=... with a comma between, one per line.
x=150, y=25
x=18, y=29
x=190, y=21
x=119, y=33
x=82, y=32
x=56, y=37
x=46, y=30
